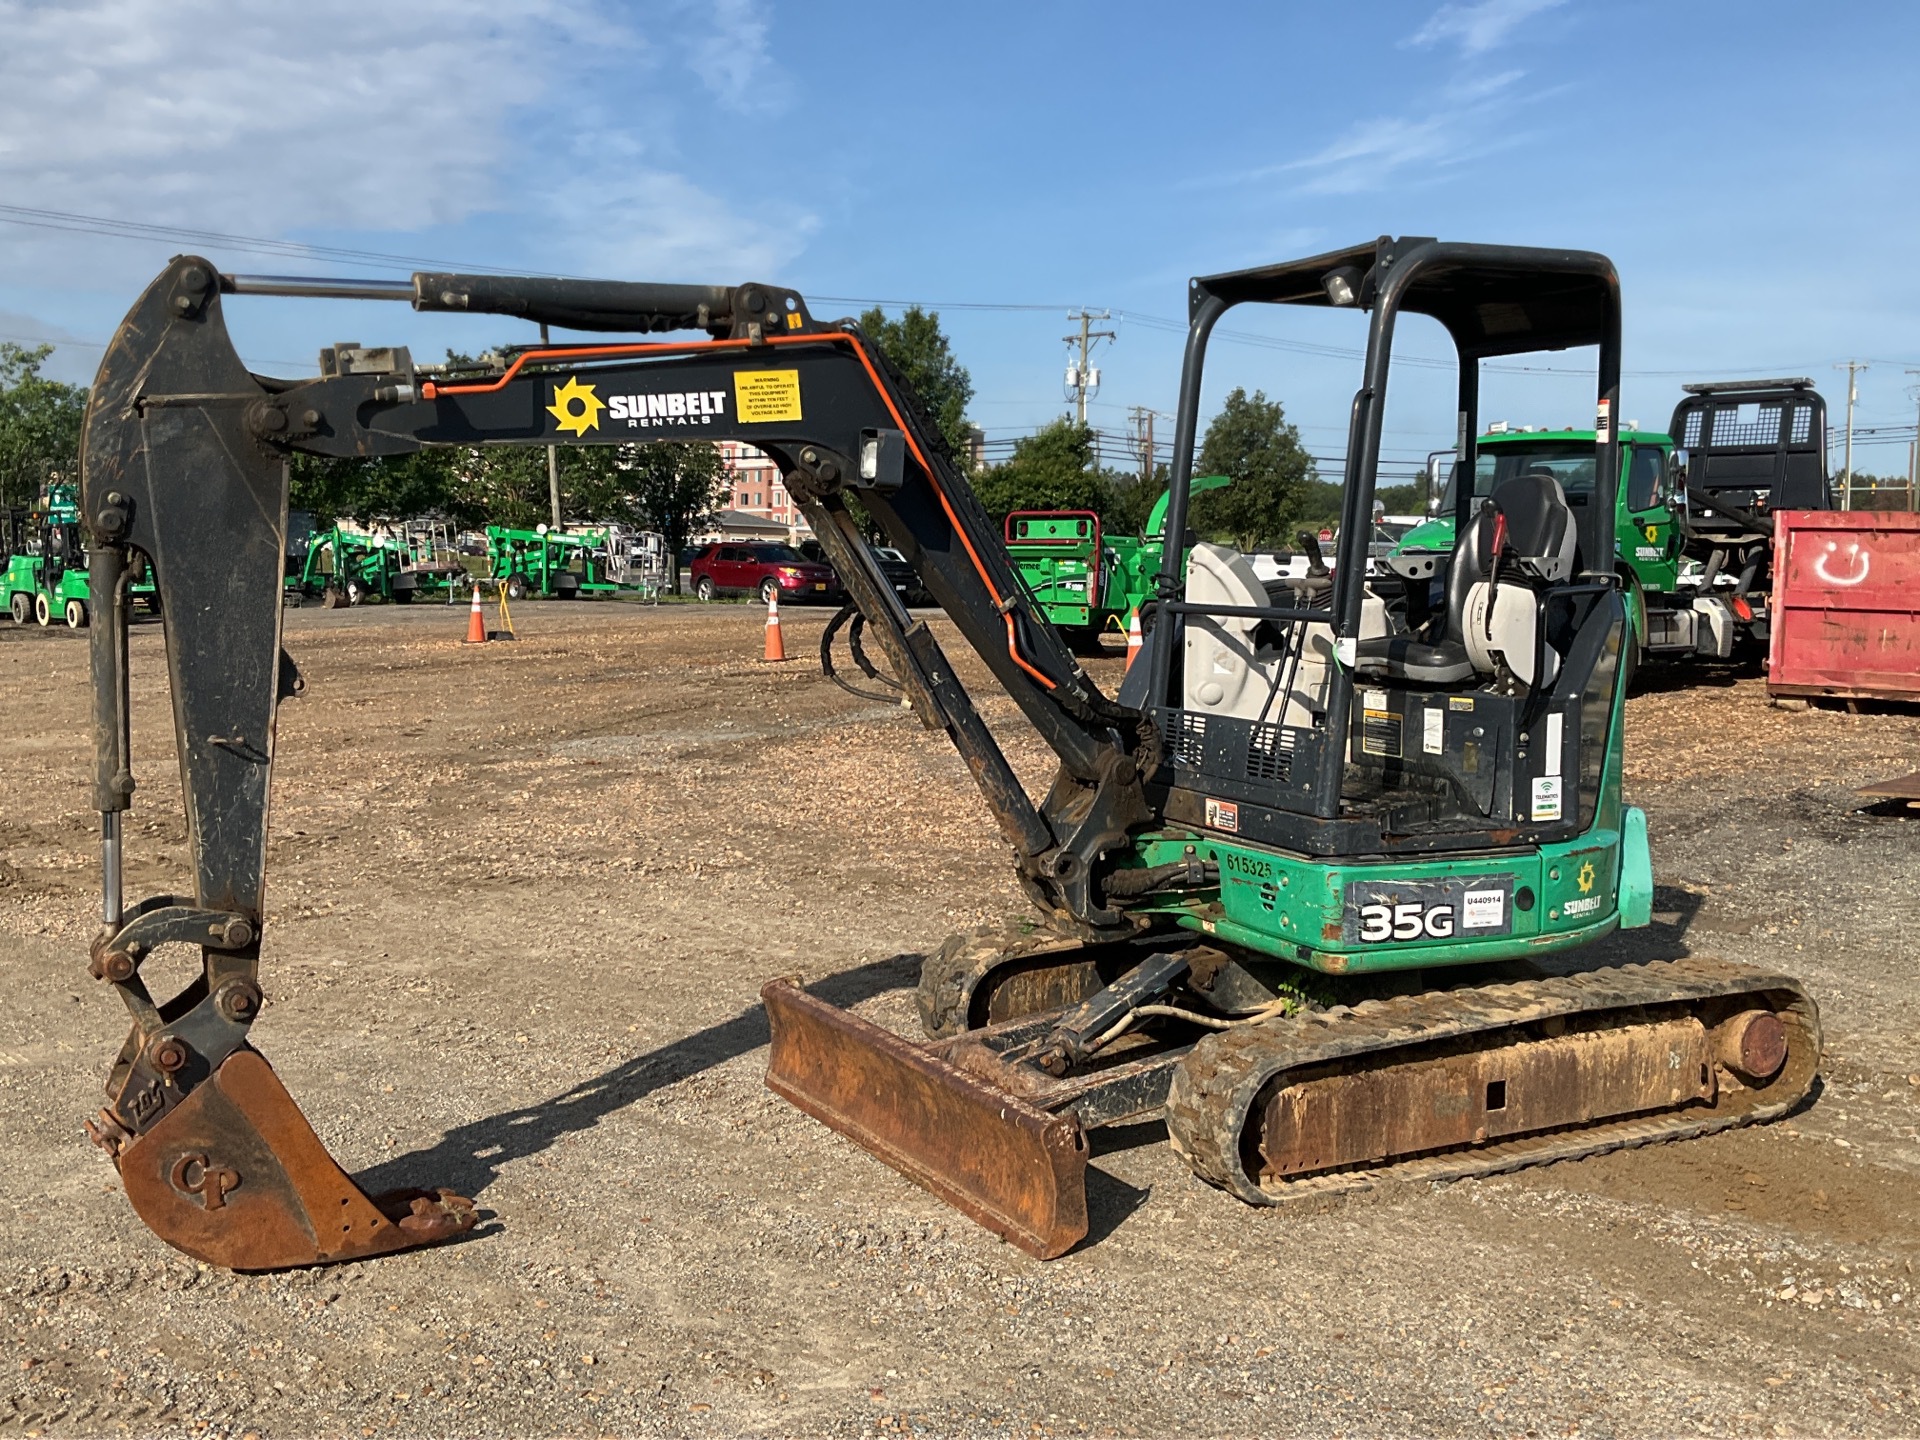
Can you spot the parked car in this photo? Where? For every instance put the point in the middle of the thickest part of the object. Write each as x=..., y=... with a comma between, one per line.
x=893, y=567
x=750, y=568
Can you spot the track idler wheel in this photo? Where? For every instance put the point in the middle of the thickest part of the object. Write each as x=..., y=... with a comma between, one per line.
x=1003, y=972
x=233, y=1175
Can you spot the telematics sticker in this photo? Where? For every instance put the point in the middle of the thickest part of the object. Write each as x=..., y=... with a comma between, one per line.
x=1484, y=910
x=761, y=396
x=1433, y=730
x=1223, y=815
x=1546, y=798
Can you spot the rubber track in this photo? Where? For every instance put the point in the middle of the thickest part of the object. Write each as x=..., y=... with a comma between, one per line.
x=1215, y=1089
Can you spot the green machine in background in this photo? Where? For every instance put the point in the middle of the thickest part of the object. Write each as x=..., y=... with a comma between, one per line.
x=1084, y=580
x=45, y=578
x=345, y=567
x=1692, y=508
x=551, y=564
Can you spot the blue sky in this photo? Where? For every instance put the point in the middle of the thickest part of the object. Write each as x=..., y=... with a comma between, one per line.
x=1750, y=167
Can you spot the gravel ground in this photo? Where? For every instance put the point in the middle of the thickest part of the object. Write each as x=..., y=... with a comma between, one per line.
x=521, y=901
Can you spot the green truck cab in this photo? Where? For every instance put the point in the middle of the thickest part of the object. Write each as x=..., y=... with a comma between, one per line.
x=1082, y=579
x=1665, y=615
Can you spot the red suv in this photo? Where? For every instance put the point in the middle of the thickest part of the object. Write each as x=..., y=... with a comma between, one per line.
x=734, y=568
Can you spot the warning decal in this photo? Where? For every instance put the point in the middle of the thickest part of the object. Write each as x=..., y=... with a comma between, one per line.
x=761, y=396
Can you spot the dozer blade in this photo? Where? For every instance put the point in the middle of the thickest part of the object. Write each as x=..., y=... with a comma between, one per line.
x=235, y=1176
x=1018, y=1170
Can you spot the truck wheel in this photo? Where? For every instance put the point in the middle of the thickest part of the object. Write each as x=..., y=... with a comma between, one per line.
x=76, y=616
x=769, y=588
x=518, y=587
x=42, y=611
x=20, y=607
x=705, y=590
x=403, y=597
x=356, y=592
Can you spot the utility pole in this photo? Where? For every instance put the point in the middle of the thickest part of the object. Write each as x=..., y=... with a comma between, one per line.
x=553, y=463
x=1082, y=377
x=1143, y=419
x=1913, y=454
x=1852, y=367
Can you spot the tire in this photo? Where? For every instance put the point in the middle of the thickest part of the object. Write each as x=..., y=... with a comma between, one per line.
x=356, y=592
x=704, y=589
x=20, y=607
x=403, y=597
x=42, y=612
x=769, y=588
x=518, y=587
x=76, y=615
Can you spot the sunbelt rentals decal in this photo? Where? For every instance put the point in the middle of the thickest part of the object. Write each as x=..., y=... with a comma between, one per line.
x=576, y=408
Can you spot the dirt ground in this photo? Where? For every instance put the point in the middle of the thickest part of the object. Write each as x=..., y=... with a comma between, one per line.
x=521, y=900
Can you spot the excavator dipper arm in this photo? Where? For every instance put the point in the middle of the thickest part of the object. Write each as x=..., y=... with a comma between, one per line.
x=185, y=462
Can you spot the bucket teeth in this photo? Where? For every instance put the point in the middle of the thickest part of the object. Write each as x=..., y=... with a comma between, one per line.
x=233, y=1175
x=1016, y=1169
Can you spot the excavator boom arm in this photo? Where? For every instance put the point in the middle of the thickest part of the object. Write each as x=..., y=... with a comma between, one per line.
x=185, y=462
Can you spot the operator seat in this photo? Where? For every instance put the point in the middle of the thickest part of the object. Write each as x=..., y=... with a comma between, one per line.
x=1489, y=609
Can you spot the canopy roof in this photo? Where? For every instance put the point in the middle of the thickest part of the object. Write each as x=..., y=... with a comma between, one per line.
x=1493, y=299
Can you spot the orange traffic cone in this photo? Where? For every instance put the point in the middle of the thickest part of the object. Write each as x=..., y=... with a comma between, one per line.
x=476, y=622
x=776, y=647
x=1133, y=636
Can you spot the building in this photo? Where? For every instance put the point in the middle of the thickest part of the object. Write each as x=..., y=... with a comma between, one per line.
x=758, y=494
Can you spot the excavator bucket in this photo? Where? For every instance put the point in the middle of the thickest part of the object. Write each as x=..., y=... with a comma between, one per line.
x=235, y=1176
x=1017, y=1169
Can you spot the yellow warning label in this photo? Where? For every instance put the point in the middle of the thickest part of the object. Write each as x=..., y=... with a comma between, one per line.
x=764, y=395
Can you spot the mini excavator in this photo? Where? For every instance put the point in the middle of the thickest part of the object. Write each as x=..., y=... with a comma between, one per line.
x=1298, y=884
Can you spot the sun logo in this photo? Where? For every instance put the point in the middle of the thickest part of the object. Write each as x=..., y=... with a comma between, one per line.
x=576, y=421
x=1586, y=877
x=1653, y=534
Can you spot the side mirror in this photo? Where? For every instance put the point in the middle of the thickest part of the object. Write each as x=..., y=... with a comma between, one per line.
x=1674, y=486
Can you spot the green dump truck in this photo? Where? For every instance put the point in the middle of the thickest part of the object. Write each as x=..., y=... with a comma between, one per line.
x=1671, y=612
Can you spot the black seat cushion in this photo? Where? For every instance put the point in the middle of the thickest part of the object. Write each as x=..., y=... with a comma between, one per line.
x=1405, y=657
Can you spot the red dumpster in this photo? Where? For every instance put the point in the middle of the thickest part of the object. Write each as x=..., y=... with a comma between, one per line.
x=1846, y=604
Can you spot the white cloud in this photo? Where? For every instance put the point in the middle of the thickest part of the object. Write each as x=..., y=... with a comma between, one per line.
x=656, y=225
x=730, y=56
x=1479, y=26
x=344, y=123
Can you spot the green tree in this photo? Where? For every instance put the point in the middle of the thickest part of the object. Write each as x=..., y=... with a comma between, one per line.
x=40, y=423
x=1131, y=501
x=1251, y=440
x=916, y=347
x=1052, y=469
x=395, y=488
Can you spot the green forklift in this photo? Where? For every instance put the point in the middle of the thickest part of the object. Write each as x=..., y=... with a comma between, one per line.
x=46, y=577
